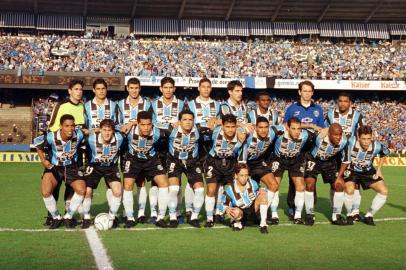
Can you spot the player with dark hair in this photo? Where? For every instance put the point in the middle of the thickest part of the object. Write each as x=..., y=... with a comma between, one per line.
x=58, y=152
x=243, y=200
x=235, y=104
x=357, y=168
x=263, y=102
x=103, y=150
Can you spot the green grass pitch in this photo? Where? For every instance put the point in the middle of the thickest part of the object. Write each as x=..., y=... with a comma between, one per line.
x=322, y=246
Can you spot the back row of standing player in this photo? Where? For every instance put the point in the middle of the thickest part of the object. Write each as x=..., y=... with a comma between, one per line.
x=223, y=134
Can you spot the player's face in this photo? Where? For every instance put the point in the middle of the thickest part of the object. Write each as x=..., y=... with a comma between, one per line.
x=294, y=130
x=262, y=129
x=76, y=92
x=106, y=133
x=67, y=128
x=242, y=177
x=236, y=94
x=144, y=127
x=306, y=93
x=229, y=129
x=186, y=122
x=335, y=136
x=344, y=104
x=365, y=140
x=205, y=89
x=100, y=91
x=264, y=102
x=167, y=90
x=134, y=90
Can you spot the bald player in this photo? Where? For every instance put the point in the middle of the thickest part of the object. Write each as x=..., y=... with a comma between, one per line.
x=321, y=159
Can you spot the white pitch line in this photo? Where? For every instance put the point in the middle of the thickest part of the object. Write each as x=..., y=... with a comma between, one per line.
x=180, y=228
x=98, y=250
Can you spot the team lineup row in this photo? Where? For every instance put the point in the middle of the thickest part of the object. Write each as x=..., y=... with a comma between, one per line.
x=230, y=146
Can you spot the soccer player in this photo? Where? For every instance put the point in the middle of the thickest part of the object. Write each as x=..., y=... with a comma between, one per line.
x=165, y=110
x=234, y=104
x=129, y=108
x=311, y=117
x=288, y=155
x=72, y=105
x=255, y=151
x=322, y=160
x=103, y=150
x=60, y=163
x=350, y=120
x=226, y=146
x=243, y=200
x=206, y=114
x=142, y=160
x=263, y=102
x=357, y=168
x=183, y=158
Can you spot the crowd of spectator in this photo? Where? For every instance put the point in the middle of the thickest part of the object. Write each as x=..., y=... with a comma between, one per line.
x=283, y=58
x=42, y=110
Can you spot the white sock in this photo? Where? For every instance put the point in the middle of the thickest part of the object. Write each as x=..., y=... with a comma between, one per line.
x=67, y=203
x=173, y=201
x=274, y=205
x=163, y=197
x=332, y=192
x=270, y=196
x=218, y=202
x=115, y=204
x=86, y=204
x=74, y=204
x=142, y=201
x=377, y=204
x=109, y=195
x=263, y=211
x=128, y=203
x=180, y=201
x=309, y=202
x=189, y=198
x=50, y=205
x=153, y=200
x=338, y=201
x=348, y=202
x=197, y=202
x=357, y=202
x=209, y=205
x=299, y=202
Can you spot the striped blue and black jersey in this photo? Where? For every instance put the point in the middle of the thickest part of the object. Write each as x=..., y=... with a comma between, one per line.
x=233, y=197
x=349, y=122
x=95, y=113
x=164, y=115
x=204, y=110
x=323, y=149
x=103, y=154
x=361, y=160
x=255, y=147
x=128, y=113
x=223, y=148
x=241, y=112
x=142, y=147
x=285, y=146
x=270, y=115
x=58, y=151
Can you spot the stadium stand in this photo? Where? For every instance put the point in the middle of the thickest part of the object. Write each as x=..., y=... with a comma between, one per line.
x=15, y=125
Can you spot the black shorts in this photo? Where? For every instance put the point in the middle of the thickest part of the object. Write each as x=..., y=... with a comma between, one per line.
x=94, y=173
x=327, y=169
x=191, y=168
x=139, y=169
x=68, y=174
x=365, y=179
x=294, y=166
x=249, y=214
x=220, y=171
x=258, y=169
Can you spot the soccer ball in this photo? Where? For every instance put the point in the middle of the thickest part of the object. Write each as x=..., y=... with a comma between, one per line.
x=103, y=222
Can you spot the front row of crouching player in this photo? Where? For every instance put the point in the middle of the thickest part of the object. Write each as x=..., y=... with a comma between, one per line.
x=238, y=158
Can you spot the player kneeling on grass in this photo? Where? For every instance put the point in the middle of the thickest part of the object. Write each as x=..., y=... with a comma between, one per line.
x=357, y=168
x=243, y=200
x=58, y=152
x=103, y=149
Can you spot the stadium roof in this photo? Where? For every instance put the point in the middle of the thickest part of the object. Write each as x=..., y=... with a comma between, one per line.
x=368, y=11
